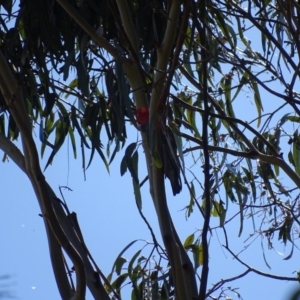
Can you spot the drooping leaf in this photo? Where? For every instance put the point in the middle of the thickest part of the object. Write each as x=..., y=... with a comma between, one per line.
x=285, y=231
x=244, y=80
x=117, y=284
x=78, y=128
x=192, y=200
x=124, y=91
x=191, y=117
x=70, y=58
x=226, y=86
x=132, y=261
x=123, y=166
x=291, y=253
x=129, y=161
x=50, y=101
x=41, y=131
x=119, y=263
x=119, y=257
x=60, y=134
x=218, y=210
x=13, y=129
x=197, y=249
x=189, y=240
x=83, y=76
x=250, y=178
x=73, y=142
x=293, y=119
x=136, y=184
x=296, y=152
x=228, y=185
x=257, y=100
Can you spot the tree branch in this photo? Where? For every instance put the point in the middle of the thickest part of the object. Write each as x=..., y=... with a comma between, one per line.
x=223, y=281
x=203, y=77
x=12, y=94
x=128, y=26
x=56, y=255
x=259, y=272
x=13, y=152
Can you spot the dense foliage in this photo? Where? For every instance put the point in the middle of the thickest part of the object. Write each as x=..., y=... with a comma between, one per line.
x=180, y=73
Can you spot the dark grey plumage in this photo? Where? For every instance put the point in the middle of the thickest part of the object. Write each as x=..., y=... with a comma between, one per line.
x=171, y=161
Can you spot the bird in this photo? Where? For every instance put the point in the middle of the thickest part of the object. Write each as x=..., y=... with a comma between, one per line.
x=171, y=162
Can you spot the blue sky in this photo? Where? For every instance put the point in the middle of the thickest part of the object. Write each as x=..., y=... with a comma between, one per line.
x=109, y=220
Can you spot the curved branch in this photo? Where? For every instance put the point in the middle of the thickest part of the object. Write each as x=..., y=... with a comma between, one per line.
x=163, y=55
x=55, y=249
x=182, y=269
x=56, y=255
x=260, y=272
x=223, y=281
x=205, y=140
x=128, y=26
x=264, y=30
x=13, y=152
x=230, y=121
x=12, y=94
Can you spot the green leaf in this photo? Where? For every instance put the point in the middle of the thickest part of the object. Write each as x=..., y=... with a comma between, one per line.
x=124, y=90
x=226, y=85
x=242, y=202
x=293, y=119
x=265, y=260
x=296, y=152
x=250, y=178
x=190, y=114
x=244, y=80
x=69, y=60
x=49, y=123
x=50, y=99
x=291, y=158
x=285, y=231
x=291, y=253
x=117, y=284
x=187, y=66
x=119, y=263
x=227, y=185
x=283, y=120
x=218, y=210
x=83, y=77
x=71, y=87
x=13, y=130
x=78, y=128
x=192, y=201
x=197, y=250
x=257, y=100
x=100, y=152
x=129, y=162
x=189, y=240
x=263, y=36
x=73, y=142
x=130, y=265
x=120, y=255
x=136, y=184
x=123, y=166
x=60, y=135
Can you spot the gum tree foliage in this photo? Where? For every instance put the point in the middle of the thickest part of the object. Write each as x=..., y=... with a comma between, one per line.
x=178, y=73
